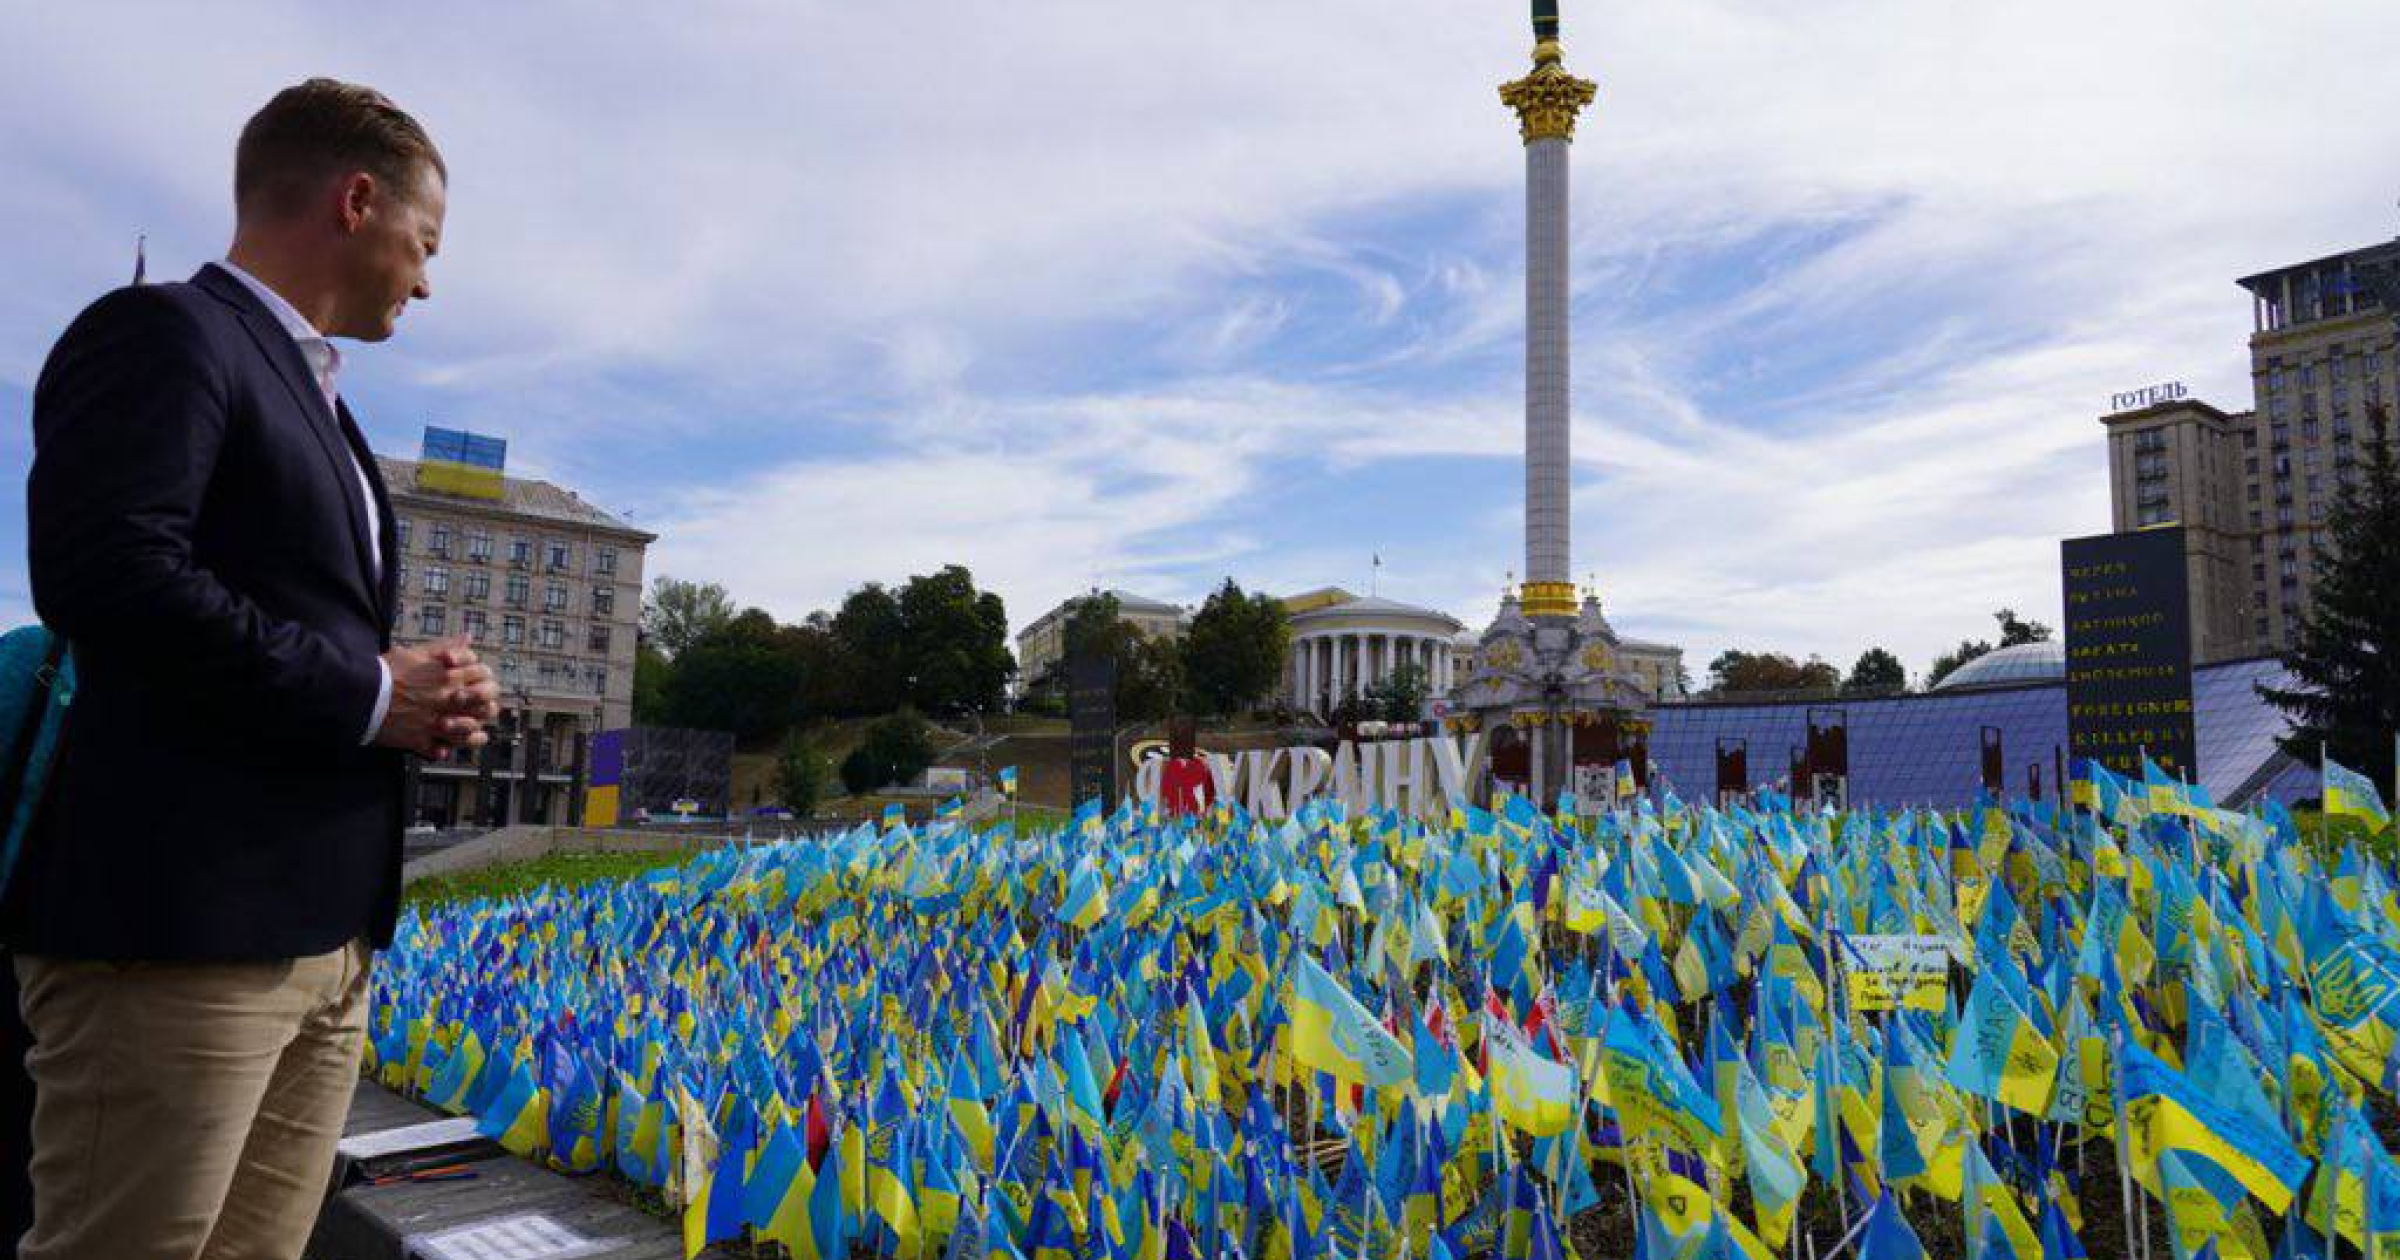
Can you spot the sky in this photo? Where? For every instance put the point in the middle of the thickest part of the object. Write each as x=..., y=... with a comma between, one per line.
x=1150, y=296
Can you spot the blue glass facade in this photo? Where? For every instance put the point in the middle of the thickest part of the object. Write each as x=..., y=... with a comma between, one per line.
x=1928, y=749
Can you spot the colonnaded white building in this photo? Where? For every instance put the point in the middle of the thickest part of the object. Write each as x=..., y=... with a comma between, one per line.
x=1343, y=644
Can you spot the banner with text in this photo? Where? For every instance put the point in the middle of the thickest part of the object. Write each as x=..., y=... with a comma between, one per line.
x=2129, y=650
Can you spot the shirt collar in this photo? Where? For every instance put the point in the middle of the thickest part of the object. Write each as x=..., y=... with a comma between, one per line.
x=324, y=359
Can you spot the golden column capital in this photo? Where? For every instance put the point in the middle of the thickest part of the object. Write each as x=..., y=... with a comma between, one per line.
x=1548, y=99
x=1549, y=599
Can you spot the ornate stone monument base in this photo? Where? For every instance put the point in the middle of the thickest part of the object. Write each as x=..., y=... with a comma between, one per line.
x=1549, y=695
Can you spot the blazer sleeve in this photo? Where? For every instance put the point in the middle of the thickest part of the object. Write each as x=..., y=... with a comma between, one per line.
x=129, y=416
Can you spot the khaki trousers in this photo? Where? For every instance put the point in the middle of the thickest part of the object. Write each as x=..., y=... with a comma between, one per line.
x=187, y=1111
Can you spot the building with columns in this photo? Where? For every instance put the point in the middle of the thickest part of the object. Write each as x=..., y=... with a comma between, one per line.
x=1343, y=644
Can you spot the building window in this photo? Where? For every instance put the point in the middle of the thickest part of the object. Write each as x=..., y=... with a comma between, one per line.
x=512, y=630
x=554, y=633
x=472, y=622
x=554, y=597
x=479, y=546
x=597, y=676
x=604, y=600
x=437, y=540
x=520, y=553
x=604, y=560
x=599, y=638
x=437, y=580
x=400, y=527
x=520, y=588
x=430, y=619
x=558, y=557
x=479, y=586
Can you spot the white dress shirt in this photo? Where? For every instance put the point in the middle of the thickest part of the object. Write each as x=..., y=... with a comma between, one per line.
x=324, y=361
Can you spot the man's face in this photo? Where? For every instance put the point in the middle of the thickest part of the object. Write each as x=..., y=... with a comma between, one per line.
x=393, y=232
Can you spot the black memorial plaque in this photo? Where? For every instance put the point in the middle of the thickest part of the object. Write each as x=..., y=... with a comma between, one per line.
x=1092, y=727
x=2129, y=650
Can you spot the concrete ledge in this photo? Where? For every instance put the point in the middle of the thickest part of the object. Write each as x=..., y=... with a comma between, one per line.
x=364, y=1221
x=523, y=843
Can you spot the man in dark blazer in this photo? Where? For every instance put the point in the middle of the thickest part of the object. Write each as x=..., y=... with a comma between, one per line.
x=219, y=849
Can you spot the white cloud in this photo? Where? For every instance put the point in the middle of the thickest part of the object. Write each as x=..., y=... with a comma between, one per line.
x=833, y=293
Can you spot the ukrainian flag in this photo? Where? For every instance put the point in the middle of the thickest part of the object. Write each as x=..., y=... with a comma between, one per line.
x=518, y=1118
x=2352, y=795
x=1997, y=1053
x=1332, y=1033
x=2164, y=1112
x=464, y=464
x=777, y=1197
x=1086, y=900
x=890, y=1169
x=1008, y=782
x=1528, y=1090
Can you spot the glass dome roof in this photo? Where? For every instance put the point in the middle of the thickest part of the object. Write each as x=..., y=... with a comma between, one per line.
x=2024, y=663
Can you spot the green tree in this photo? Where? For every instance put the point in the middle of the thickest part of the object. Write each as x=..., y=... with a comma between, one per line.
x=861, y=773
x=1233, y=653
x=1948, y=662
x=1150, y=679
x=895, y=749
x=1095, y=622
x=1399, y=696
x=680, y=614
x=651, y=670
x=2345, y=698
x=822, y=664
x=736, y=679
x=1737, y=671
x=1875, y=670
x=1150, y=672
x=953, y=643
x=867, y=630
x=2014, y=631
x=800, y=775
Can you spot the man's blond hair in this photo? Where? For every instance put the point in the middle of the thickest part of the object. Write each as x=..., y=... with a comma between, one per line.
x=323, y=128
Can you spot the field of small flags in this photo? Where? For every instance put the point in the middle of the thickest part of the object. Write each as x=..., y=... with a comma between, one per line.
x=2143, y=1027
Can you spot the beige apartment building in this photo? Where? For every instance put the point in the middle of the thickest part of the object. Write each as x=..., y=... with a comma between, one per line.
x=549, y=590
x=2253, y=488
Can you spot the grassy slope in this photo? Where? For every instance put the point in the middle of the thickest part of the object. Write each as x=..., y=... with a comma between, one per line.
x=520, y=877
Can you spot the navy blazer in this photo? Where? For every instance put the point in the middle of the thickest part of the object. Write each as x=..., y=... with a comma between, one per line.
x=198, y=533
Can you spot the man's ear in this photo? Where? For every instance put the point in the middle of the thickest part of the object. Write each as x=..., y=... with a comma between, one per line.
x=356, y=200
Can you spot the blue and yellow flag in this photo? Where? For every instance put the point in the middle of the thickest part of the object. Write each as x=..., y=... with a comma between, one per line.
x=2349, y=794
x=2165, y=1113
x=1332, y=1033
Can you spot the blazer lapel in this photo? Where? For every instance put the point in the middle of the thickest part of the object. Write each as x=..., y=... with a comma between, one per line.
x=387, y=585
x=284, y=354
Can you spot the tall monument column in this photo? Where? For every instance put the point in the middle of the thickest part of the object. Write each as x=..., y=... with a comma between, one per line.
x=1547, y=663
x=1546, y=102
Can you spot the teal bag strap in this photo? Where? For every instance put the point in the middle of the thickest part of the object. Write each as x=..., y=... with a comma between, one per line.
x=20, y=781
